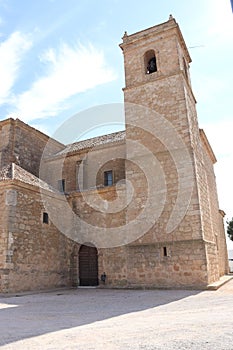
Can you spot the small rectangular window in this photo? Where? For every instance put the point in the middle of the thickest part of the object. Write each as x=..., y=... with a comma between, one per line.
x=45, y=218
x=108, y=178
x=61, y=185
x=164, y=251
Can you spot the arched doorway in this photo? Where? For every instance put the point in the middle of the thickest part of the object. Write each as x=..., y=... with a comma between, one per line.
x=88, y=266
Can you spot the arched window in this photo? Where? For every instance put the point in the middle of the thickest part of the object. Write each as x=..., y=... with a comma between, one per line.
x=150, y=62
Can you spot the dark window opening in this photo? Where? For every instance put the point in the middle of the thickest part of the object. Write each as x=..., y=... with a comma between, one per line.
x=150, y=62
x=151, y=67
x=108, y=178
x=61, y=185
x=164, y=251
x=45, y=218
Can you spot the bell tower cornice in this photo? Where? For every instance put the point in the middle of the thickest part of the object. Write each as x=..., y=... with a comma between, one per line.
x=149, y=33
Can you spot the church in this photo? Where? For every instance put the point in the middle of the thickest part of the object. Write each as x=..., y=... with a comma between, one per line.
x=136, y=208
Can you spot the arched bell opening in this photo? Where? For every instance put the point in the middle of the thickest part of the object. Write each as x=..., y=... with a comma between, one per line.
x=150, y=62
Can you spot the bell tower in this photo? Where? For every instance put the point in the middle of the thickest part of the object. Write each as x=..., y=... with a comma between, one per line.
x=169, y=164
x=157, y=71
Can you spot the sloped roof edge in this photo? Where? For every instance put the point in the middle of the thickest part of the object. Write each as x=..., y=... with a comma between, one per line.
x=15, y=172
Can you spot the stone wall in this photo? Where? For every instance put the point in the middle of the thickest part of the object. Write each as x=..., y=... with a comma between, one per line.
x=6, y=142
x=184, y=265
x=39, y=256
x=85, y=170
x=222, y=247
x=29, y=146
x=215, y=234
x=23, y=145
x=145, y=266
x=3, y=240
x=164, y=95
x=167, y=95
x=154, y=260
x=114, y=262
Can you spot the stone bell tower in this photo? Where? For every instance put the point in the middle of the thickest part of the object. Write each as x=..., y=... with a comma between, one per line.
x=157, y=73
x=170, y=165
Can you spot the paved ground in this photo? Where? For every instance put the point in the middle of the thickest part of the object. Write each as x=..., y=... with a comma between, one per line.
x=94, y=319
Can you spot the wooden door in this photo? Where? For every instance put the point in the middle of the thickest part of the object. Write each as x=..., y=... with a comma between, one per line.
x=88, y=266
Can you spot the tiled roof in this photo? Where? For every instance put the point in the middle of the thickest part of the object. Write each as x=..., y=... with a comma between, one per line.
x=15, y=172
x=94, y=142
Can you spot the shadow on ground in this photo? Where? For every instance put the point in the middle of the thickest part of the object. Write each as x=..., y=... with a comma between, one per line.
x=32, y=315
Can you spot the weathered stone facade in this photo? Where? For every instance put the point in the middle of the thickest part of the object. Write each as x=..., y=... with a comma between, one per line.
x=163, y=230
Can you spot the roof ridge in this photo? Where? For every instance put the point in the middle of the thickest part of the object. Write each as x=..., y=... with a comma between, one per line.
x=93, y=142
x=99, y=137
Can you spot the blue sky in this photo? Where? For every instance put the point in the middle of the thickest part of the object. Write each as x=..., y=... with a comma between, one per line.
x=59, y=57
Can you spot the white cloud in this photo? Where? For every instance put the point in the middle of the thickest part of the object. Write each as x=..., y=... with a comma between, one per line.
x=12, y=51
x=221, y=27
x=71, y=70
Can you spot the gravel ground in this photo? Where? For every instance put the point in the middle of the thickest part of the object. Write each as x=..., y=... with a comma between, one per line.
x=95, y=319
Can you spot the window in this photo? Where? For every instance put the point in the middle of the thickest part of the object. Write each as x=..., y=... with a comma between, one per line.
x=150, y=62
x=45, y=218
x=108, y=178
x=61, y=185
x=164, y=251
